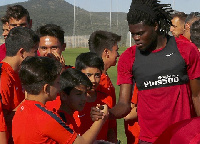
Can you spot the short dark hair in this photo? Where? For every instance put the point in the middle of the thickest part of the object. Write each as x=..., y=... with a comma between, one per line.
x=17, y=12
x=89, y=59
x=35, y=72
x=99, y=40
x=193, y=16
x=72, y=78
x=150, y=12
x=4, y=19
x=51, y=30
x=20, y=37
x=195, y=33
x=181, y=15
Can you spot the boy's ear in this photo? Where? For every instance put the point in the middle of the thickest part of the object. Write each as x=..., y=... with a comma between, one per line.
x=106, y=52
x=21, y=53
x=63, y=46
x=46, y=89
x=30, y=24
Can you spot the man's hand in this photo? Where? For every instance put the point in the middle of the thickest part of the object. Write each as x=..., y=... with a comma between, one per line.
x=99, y=112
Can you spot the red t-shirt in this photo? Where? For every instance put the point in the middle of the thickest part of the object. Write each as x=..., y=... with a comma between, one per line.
x=183, y=38
x=33, y=123
x=3, y=127
x=160, y=107
x=71, y=121
x=11, y=88
x=183, y=132
x=2, y=51
x=86, y=121
x=106, y=86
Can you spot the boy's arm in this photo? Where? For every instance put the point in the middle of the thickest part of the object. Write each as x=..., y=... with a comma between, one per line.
x=132, y=114
x=3, y=138
x=90, y=135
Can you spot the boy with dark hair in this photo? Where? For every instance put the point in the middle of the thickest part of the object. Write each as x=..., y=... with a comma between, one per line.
x=51, y=40
x=191, y=18
x=73, y=89
x=195, y=33
x=166, y=71
x=18, y=16
x=20, y=43
x=52, y=45
x=92, y=66
x=104, y=44
x=40, y=76
x=5, y=29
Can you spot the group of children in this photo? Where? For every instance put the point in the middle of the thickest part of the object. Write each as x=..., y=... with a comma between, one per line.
x=45, y=101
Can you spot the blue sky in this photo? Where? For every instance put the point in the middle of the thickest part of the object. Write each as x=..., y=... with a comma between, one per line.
x=186, y=6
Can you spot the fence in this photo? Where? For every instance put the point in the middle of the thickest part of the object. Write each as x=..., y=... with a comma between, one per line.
x=82, y=41
x=76, y=41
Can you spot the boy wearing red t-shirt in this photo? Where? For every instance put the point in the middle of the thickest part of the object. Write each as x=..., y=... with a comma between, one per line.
x=52, y=45
x=104, y=44
x=40, y=77
x=74, y=85
x=92, y=66
x=20, y=42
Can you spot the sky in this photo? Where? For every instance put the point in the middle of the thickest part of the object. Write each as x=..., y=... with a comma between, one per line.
x=186, y=6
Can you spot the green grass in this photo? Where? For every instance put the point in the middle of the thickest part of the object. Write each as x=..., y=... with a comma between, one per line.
x=70, y=57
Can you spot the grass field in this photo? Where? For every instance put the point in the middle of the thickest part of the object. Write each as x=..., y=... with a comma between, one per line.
x=70, y=56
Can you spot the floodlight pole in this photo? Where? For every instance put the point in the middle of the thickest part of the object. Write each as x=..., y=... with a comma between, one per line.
x=174, y=4
x=74, y=30
x=110, y=13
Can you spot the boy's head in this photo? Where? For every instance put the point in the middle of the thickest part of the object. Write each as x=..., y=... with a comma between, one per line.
x=74, y=85
x=21, y=42
x=51, y=39
x=191, y=18
x=5, y=28
x=104, y=44
x=92, y=66
x=195, y=33
x=41, y=75
x=18, y=16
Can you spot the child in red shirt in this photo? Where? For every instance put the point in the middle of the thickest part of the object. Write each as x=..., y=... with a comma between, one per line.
x=40, y=77
x=74, y=85
x=11, y=89
x=104, y=44
x=92, y=66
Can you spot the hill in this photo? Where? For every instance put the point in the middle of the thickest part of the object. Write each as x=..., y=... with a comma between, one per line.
x=61, y=13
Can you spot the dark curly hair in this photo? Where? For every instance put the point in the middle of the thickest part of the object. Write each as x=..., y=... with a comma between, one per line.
x=150, y=12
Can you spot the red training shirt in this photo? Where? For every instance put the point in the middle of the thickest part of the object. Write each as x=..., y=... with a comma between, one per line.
x=2, y=51
x=33, y=123
x=11, y=88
